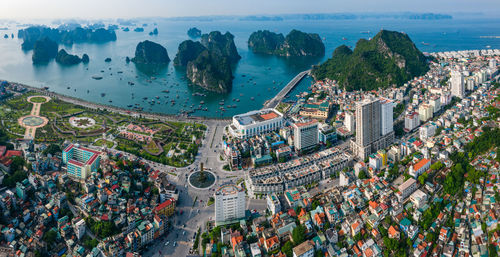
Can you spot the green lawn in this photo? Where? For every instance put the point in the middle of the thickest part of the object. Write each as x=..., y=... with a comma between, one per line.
x=38, y=99
x=102, y=142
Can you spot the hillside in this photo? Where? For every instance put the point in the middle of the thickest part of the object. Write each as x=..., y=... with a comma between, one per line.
x=389, y=58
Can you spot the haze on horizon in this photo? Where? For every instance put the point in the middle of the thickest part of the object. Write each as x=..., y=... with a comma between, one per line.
x=102, y=9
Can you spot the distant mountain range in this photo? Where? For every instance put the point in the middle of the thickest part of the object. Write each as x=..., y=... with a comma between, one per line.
x=320, y=16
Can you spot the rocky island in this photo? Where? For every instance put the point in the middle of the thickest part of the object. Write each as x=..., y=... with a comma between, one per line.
x=68, y=59
x=194, y=32
x=296, y=43
x=77, y=35
x=221, y=44
x=148, y=52
x=389, y=58
x=188, y=51
x=44, y=50
x=208, y=64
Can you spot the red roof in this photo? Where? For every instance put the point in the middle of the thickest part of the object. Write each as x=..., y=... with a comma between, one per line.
x=69, y=147
x=162, y=206
x=11, y=153
x=421, y=164
x=75, y=162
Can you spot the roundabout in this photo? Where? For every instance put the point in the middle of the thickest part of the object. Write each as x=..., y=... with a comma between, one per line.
x=33, y=121
x=202, y=180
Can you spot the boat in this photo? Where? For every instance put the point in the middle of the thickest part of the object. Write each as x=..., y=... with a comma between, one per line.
x=97, y=77
x=425, y=44
x=103, y=94
x=110, y=101
x=46, y=88
x=166, y=91
x=343, y=38
x=68, y=88
x=252, y=98
x=237, y=99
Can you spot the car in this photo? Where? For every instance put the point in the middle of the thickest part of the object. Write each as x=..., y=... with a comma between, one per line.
x=167, y=243
x=184, y=233
x=175, y=244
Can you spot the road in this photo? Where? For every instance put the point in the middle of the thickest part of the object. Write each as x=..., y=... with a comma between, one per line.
x=195, y=214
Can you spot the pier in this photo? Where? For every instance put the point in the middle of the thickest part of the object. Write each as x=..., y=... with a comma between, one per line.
x=284, y=92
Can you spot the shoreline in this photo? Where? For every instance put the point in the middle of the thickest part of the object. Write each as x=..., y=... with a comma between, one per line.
x=116, y=109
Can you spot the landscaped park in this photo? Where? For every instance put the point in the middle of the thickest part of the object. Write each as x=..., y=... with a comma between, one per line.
x=50, y=120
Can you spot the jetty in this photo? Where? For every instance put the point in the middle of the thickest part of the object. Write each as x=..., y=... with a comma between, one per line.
x=284, y=91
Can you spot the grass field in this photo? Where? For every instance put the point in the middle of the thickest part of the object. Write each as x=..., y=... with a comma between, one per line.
x=38, y=99
x=103, y=142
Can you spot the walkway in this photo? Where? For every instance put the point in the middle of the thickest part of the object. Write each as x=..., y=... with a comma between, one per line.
x=284, y=92
x=34, y=120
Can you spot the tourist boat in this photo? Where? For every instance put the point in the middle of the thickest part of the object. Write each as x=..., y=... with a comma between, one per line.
x=103, y=94
x=46, y=88
x=68, y=87
x=97, y=77
x=157, y=97
x=425, y=44
x=343, y=38
x=110, y=101
x=202, y=102
x=129, y=106
x=165, y=91
x=119, y=72
x=252, y=98
x=237, y=99
x=131, y=83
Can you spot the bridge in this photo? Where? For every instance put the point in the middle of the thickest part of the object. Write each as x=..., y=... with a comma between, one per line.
x=284, y=91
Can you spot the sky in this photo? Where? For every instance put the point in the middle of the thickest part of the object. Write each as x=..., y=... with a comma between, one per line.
x=99, y=9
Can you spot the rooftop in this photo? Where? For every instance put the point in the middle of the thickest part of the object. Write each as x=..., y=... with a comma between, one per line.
x=257, y=116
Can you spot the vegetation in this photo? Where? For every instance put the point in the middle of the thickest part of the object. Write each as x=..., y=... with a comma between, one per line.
x=52, y=149
x=454, y=180
x=101, y=229
x=50, y=237
x=390, y=58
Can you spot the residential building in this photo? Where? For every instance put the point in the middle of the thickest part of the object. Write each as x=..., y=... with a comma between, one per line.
x=457, y=84
x=369, y=123
x=418, y=198
x=386, y=116
x=273, y=203
x=305, y=249
x=229, y=203
x=425, y=112
x=305, y=135
x=412, y=120
x=406, y=189
x=166, y=208
x=349, y=121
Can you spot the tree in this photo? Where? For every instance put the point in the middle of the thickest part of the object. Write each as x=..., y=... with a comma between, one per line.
x=362, y=175
x=287, y=249
x=299, y=234
x=50, y=237
x=422, y=178
x=52, y=149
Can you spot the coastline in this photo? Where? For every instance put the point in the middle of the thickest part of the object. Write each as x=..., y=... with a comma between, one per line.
x=119, y=110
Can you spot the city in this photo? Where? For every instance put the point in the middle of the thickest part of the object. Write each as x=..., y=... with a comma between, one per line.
x=380, y=149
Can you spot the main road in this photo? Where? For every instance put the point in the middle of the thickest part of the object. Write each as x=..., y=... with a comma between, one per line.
x=279, y=97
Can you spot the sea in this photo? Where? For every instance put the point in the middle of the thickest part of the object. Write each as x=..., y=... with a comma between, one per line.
x=257, y=77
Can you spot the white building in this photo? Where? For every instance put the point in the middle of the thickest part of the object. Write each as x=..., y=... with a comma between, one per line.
x=255, y=123
x=306, y=249
x=418, y=198
x=386, y=108
x=412, y=120
x=273, y=203
x=457, y=84
x=493, y=63
x=420, y=167
x=435, y=102
x=406, y=189
x=425, y=112
x=349, y=121
x=80, y=228
x=305, y=135
x=427, y=131
x=229, y=203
